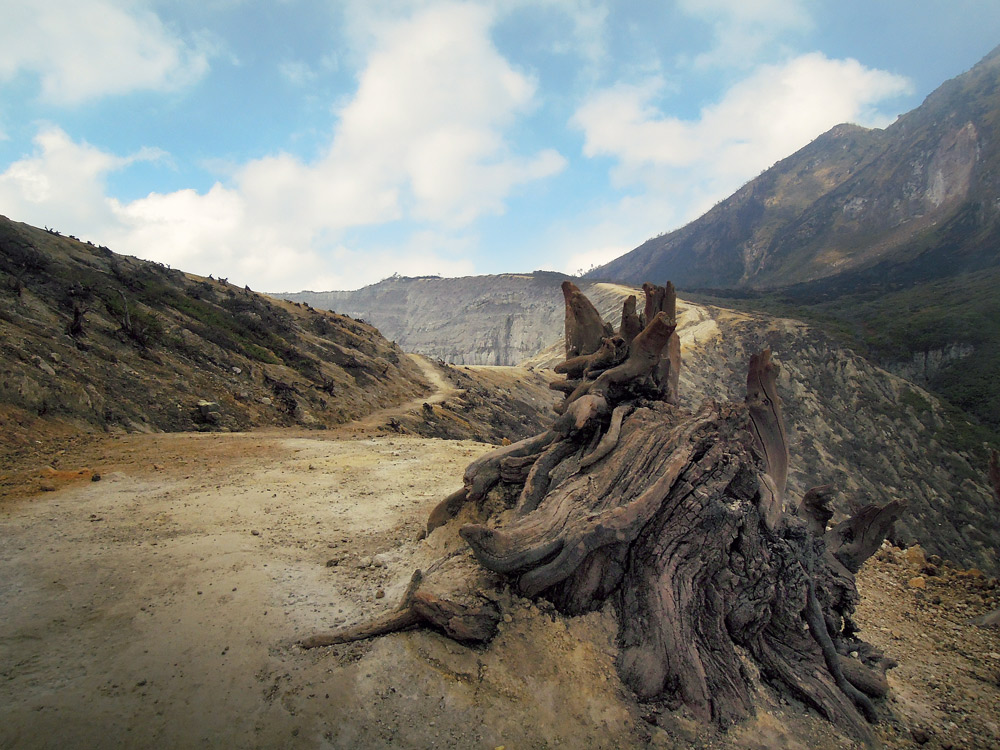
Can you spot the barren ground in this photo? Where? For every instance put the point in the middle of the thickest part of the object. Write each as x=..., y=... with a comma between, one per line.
x=160, y=605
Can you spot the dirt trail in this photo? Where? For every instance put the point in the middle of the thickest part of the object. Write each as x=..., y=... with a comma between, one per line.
x=442, y=390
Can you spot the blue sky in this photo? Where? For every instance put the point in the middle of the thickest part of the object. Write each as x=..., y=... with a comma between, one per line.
x=308, y=144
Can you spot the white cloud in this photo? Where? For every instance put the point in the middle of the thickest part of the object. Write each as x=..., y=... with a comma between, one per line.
x=765, y=117
x=744, y=29
x=422, y=139
x=589, y=25
x=610, y=231
x=83, y=49
x=429, y=114
x=297, y=72
x=62, y=184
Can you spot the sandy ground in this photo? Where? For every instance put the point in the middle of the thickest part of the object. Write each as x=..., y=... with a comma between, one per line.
x=160, y=606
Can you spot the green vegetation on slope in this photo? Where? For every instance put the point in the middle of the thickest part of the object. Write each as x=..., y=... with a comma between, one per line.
x=115, y=342
x=943, y=318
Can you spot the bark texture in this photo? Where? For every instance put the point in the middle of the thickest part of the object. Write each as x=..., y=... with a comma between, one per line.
x=679, y=520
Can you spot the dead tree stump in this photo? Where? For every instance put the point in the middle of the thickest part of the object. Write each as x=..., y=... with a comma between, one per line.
x=678, y=519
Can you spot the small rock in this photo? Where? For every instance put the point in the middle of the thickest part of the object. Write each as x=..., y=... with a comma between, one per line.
x=266, y=401
x=207, y=407
x=380, y=594
x=920, y=736
x=47, y=487
x=915, y=556
x=332, y=563
x=255, y=532
x=43, y=365
x=917, y=582
x=95, y=477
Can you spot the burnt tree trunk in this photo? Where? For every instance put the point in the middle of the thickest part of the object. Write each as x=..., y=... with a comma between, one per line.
x=678, y=519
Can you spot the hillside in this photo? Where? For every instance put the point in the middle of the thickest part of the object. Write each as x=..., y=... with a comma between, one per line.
x=97, y=340
x=910, y=203
x=943, y=335
x=197, y=354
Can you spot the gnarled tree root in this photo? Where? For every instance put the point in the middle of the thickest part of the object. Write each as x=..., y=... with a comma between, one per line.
x=678, y=520
x=455, y=605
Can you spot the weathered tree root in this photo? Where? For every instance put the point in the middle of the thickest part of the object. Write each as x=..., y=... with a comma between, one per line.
x=464, y=614
x=403, y=617
x=610, y=439
x=677, y=519
x=818, y=630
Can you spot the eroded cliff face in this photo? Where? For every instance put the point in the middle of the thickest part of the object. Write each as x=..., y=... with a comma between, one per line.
x=475, y=320
x=923, y=366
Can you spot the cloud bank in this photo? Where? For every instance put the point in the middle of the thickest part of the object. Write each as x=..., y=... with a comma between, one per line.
x=422, y=139
x=437, y=119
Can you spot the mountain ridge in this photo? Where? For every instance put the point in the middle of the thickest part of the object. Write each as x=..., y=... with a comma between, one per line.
x=849, y=200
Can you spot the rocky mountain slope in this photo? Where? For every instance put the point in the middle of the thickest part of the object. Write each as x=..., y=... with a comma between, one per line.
x=873, y=435
x=474, y=320
x=915, y=201
x=99, y=340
